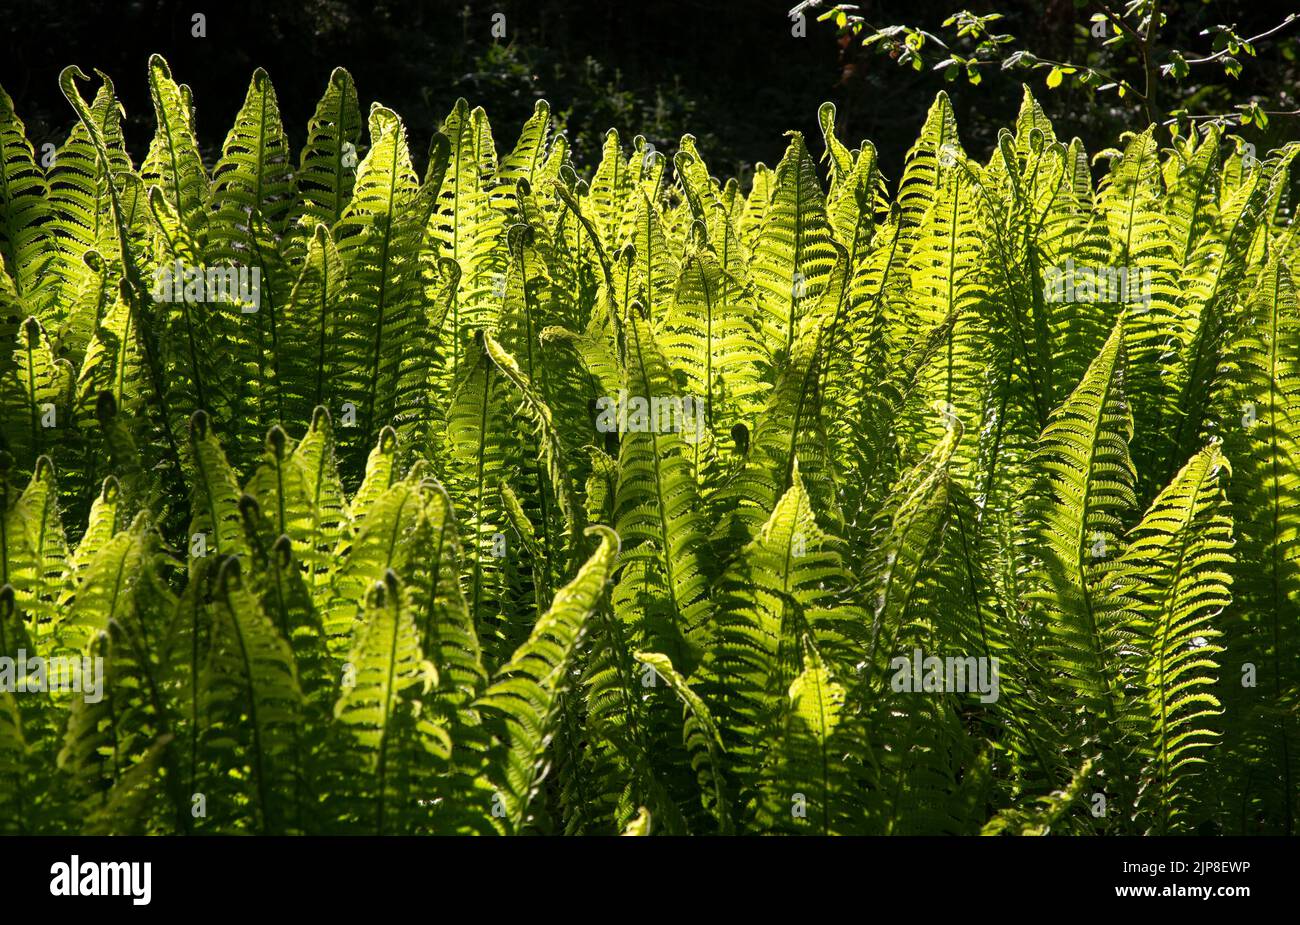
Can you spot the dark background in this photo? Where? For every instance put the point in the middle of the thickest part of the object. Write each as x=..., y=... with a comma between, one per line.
x=730, y=73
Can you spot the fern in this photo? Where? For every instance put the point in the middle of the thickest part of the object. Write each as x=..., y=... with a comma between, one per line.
x=428, y=542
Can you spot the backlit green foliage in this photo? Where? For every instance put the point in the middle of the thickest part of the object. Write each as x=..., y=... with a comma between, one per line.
x=519, y=499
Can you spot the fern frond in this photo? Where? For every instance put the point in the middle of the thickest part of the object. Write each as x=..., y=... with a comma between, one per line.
x=524, y=693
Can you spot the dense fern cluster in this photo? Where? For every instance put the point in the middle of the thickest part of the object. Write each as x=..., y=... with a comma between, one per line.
x=509, y=500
